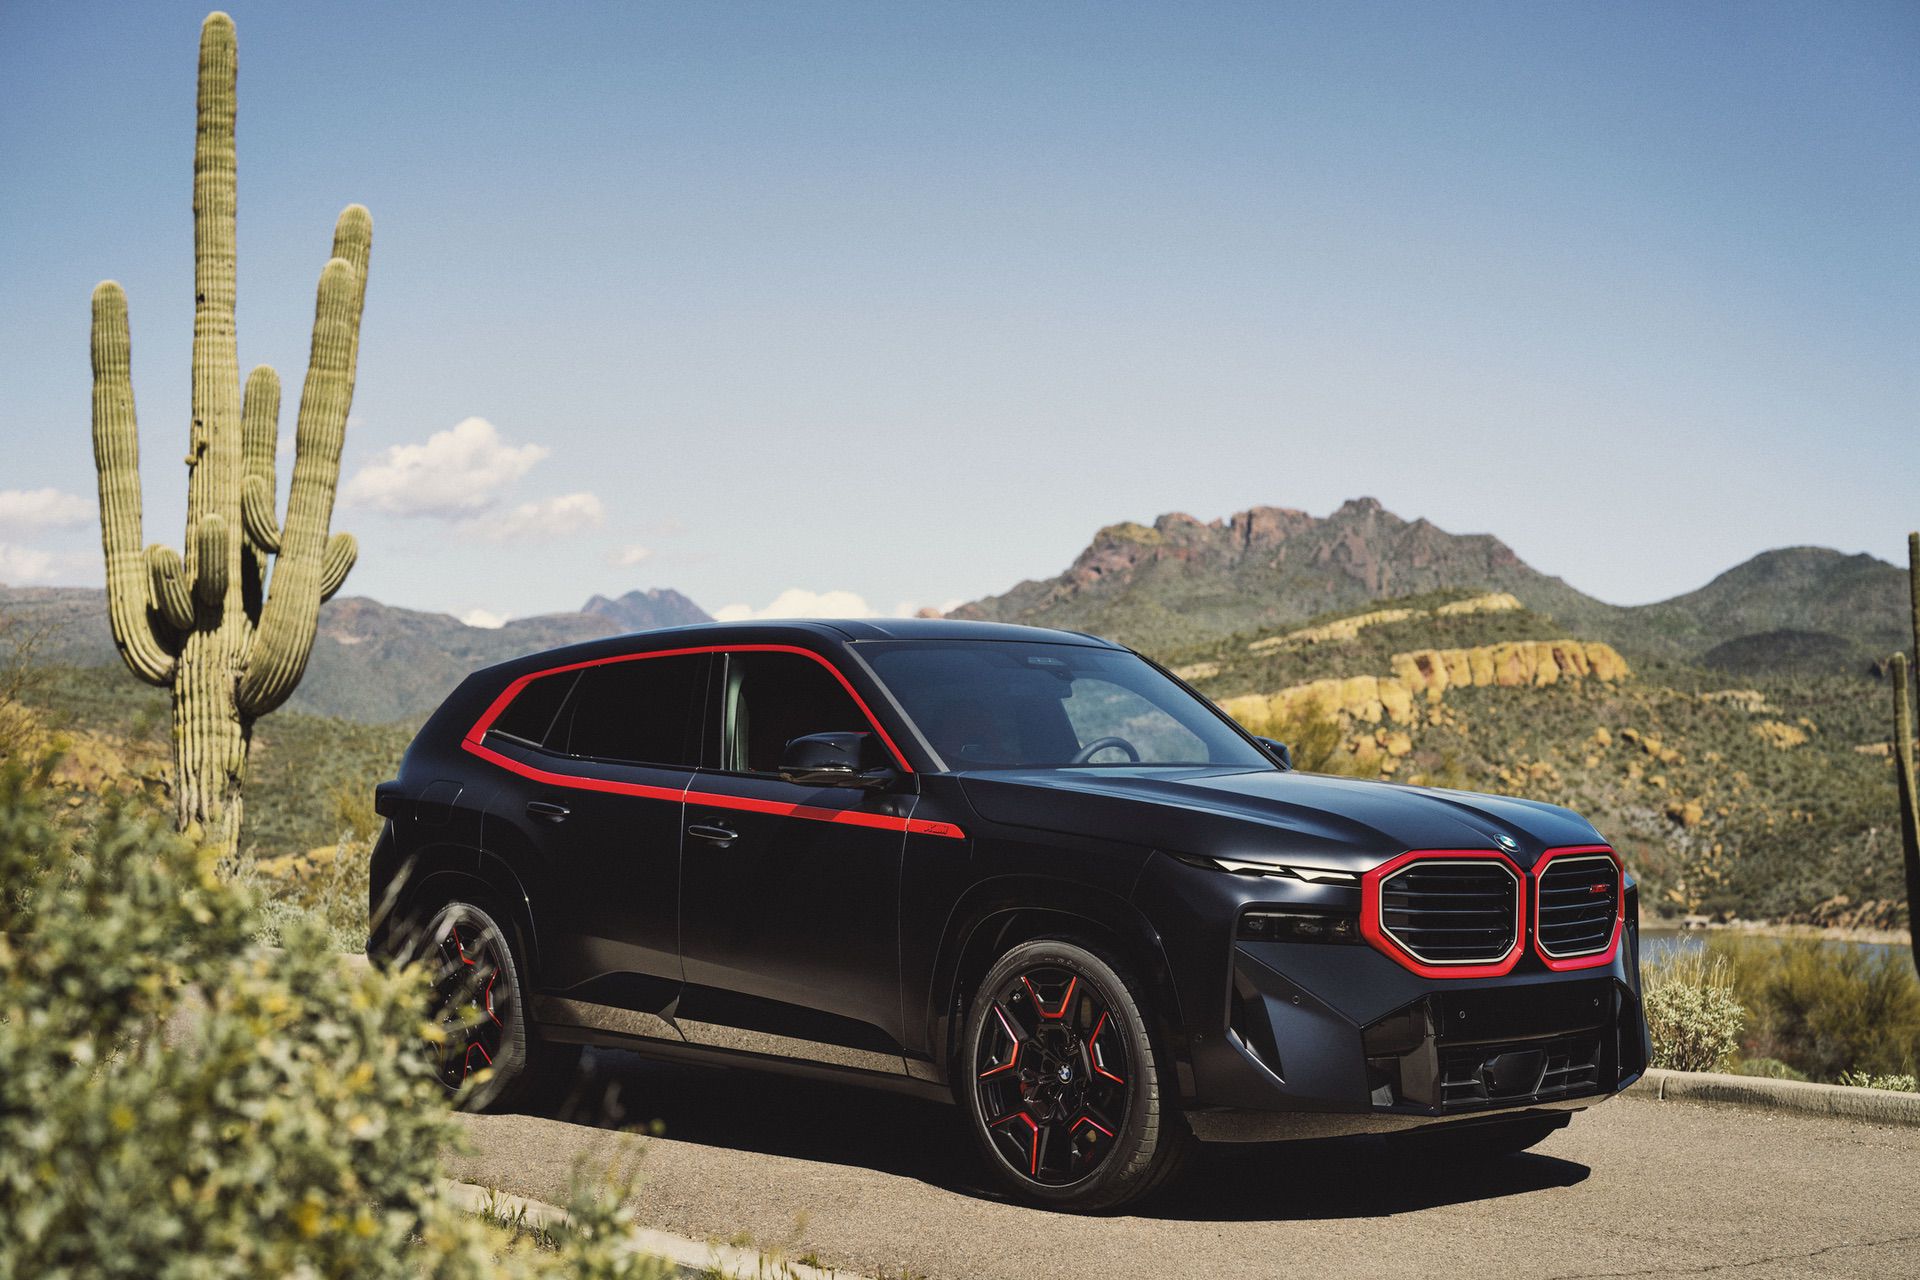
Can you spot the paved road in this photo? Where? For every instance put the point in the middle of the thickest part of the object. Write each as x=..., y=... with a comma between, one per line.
x=882, y=1185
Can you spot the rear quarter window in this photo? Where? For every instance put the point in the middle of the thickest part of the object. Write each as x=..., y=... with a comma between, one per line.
x=642, y=711
x=529, y=717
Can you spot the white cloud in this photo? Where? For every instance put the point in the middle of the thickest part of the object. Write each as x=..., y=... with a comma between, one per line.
x=796, y=602
x=457, y=472
x=22, y=565
x=484, y=618
x=548, y=518
x=629, y=556
x=43, y=509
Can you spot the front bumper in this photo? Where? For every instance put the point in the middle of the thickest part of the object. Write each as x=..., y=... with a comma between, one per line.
x=1322, y=1040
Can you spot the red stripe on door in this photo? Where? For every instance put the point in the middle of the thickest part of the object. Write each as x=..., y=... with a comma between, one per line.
x=812, y=813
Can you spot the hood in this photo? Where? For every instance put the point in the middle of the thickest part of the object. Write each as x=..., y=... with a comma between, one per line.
x=1345, y=824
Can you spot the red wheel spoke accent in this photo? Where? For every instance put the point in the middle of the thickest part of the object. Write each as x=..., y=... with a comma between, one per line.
x=1040, y=1006
x=466, y=1063
x=1089, y=1120
x=1033, y=1167
x=1094, y=1058
x=1013, y=1037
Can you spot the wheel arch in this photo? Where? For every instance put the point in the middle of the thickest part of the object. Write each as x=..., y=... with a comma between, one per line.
x=442, y=873
x=1003, y=913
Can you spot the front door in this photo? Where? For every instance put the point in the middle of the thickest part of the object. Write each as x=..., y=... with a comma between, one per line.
x=790, y=894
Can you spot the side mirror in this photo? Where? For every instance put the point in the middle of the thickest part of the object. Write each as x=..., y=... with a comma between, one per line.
x=835, y=760
x=1280, y=751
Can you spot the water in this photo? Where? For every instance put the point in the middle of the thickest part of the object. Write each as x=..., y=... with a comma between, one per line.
x=1660, y=945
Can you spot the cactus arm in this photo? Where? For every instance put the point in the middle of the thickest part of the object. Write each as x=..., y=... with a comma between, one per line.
x=342, y=550
x=168, y=578
x=353, y=241
x=259, y=441
x=214, y=457
x=1913, y=589
x=284, y=641
x=210, y=535
x=116, y=458
x=1909, y=793
x=256, y=516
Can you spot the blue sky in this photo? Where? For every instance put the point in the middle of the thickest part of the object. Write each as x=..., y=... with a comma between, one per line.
x=905, y=301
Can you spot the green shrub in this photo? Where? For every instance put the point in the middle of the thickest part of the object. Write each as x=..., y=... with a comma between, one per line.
x=1692, y=1012
x=176, y=1098
x=1828, y=1009
x=1867, y=1080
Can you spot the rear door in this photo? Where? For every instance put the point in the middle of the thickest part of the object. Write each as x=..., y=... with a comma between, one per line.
x=596, y=810
x=790, y=894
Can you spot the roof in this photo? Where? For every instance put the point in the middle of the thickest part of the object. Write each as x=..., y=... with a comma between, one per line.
x=791, y=631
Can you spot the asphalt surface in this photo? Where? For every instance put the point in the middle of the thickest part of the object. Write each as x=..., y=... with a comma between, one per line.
x=884, y=1185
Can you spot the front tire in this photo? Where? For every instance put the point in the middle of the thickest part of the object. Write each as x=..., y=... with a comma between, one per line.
x=490, y=1058
x=1063, y=1086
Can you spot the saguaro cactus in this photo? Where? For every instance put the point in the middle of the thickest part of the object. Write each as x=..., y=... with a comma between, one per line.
x=227, y=627
x=1903, y=753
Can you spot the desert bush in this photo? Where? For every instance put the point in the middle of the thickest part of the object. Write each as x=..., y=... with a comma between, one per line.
x=176, y=1098
x=1868, y=1080
x=1692, y=1013
x=1828, y=1009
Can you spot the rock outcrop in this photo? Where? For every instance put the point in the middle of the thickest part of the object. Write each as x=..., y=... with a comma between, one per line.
x=1424, y=676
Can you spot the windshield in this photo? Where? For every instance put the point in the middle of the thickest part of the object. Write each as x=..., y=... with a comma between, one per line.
x=998, y=705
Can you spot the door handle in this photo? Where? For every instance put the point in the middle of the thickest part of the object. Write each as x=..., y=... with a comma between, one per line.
x=719, y=835
x=548, y=810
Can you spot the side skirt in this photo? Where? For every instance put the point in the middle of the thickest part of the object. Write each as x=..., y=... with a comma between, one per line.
x=703, y=1044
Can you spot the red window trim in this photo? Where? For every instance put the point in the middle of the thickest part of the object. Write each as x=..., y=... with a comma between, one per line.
x=507, y=694
x=1371, y=930
x=852, y=817
x=1597, y=958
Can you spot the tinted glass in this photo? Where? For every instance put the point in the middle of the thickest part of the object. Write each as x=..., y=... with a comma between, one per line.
x=646, y=711
x=773, y=698
x=986, y=704
x=528, y=717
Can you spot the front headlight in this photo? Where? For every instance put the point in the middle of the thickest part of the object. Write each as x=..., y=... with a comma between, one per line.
x=1311, y=875
x=1299, y=924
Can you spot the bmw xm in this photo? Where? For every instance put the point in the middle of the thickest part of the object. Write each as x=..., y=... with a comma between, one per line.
x=1025, y=871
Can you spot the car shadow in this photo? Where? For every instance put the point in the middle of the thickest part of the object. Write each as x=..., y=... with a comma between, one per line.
x=745, y=1110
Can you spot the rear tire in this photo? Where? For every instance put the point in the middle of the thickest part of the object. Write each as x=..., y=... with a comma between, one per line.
x=491, y=1059
x=1065, y=1092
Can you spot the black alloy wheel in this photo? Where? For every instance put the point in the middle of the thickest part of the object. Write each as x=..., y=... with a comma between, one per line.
x=1062, y=1081
x=466, y=975
x=486, y=1052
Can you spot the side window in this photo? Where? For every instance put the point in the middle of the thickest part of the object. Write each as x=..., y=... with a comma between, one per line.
x=643, y=711
x=530, y=715
x=773, y=698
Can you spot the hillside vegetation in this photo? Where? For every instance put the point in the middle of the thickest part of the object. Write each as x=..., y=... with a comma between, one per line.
x=1767, y=798
x=312, y=777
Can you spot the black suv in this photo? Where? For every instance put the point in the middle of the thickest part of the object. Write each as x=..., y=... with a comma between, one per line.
x=1026, y=871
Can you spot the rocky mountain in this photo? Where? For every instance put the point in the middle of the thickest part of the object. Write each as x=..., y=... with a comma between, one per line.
x=1181, y=581
x=645, y=610
x=372, y=662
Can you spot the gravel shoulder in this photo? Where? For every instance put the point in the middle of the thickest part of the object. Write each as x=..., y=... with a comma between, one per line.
x=881, y=1185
